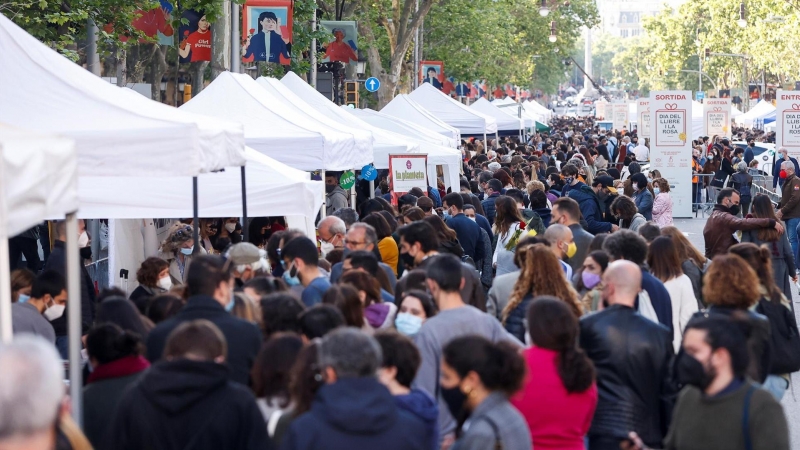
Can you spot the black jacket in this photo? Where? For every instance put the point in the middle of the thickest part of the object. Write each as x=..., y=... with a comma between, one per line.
x=759, y=347
x=58, y=262
x=187, y=405
x=632, y=356
x=356, y=413
x=243, y=338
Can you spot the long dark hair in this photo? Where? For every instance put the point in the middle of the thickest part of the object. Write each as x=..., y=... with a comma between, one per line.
x=272, y=367
x=552, y=325
x=663, y=259
x=762, y=208
x=506, y=214
x=499, y=365
x=444, y=232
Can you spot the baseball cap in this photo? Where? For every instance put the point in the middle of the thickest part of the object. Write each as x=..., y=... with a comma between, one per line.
x=607, y=183
x=244, y=253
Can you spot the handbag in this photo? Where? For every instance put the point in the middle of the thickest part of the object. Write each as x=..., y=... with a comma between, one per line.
x=784, y=338
x=720, y=177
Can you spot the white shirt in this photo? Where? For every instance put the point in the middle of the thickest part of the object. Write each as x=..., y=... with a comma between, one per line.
x=684, y=304
x=642, y=153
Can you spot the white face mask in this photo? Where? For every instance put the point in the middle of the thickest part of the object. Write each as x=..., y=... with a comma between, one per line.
x=83, y=240
x=231, y=227
x=325, y=248
x=165, y=283
x=187, y=251
x=472, y=219
x=54, y=312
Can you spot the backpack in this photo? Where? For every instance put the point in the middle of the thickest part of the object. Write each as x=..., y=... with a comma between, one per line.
x=784, y=337
x=739, y=181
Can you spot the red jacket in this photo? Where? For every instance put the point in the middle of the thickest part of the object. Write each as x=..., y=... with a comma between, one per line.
x=557, y=419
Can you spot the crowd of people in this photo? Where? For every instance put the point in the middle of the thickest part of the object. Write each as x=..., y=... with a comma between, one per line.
x=547, y=302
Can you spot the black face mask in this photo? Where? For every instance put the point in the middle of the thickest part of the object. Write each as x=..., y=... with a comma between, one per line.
x=329, y=188
x=408, y=260
x=86, y=252
x=455, y=400
x=734, y=209
x=691, y=372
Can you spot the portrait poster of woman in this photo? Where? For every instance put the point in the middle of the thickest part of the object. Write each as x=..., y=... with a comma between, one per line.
x=342, y=46
x=267, y=31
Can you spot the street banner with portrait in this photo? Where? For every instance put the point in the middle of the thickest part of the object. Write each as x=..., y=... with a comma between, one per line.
x=156, y=23
x=407, y=172
x=432, y=72
x=643, y=117
x=195, y=35
x=787, y=122
x=671, y=145
x=267, y=31
x=717, y=116
x=620, y=116
x=342, y=44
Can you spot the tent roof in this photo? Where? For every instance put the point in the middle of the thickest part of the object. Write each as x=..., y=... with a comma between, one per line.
x=362, y=138
x=116, y=131
x=512, y=110
x=219, y=194
x=397, y=125
x=538, y=108
x=272, y=128
x=384, y=142
x=38, y=179
x=404, y=107
x=505, y=122
x=453, y=113
x=430, y=142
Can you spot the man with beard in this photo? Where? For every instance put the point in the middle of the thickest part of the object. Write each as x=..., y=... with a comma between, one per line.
x=592, y=203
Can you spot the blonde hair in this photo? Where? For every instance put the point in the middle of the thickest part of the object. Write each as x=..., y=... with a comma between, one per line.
x=541, y=274
x=534, y=185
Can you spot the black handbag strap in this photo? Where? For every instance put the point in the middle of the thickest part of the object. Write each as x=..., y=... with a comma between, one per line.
x=498, y=441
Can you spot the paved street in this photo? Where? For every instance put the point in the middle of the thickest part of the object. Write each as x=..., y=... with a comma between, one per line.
x=791, y=401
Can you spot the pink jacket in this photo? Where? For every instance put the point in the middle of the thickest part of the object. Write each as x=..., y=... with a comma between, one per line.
x=557, y=419
x=662, y=210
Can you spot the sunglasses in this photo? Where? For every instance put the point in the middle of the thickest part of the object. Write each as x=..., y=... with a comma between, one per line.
x=183, y=233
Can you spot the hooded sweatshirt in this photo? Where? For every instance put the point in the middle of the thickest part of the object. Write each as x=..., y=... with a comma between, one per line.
x=425, y=408
x=380, y=315
x=356, y=413
x=185, y=404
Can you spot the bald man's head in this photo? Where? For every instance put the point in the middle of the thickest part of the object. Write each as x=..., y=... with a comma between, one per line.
x=560, y=238
x=623, y=282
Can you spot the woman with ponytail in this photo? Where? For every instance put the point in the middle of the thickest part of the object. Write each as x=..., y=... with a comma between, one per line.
x=784, y=339
x=540, y=274
x=783, y=263
x=477, y=379
x=116, y=360
x=560, y=376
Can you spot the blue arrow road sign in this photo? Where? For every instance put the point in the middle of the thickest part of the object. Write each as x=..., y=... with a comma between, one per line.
x=372, y=84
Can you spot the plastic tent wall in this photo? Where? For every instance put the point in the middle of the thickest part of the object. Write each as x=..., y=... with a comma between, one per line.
x=404, y=107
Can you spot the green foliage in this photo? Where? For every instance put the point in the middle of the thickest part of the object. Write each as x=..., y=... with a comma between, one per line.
x=302, y=35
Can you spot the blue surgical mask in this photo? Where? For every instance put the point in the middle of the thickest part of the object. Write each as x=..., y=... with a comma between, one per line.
x=187, y=251
x=23, y=298
x=408, y=324
x=231, y=303
x=290, y=276
x=656, y=191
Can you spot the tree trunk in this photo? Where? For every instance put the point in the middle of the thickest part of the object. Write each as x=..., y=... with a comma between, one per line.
x=159, y=63
x=198, y=70
x=122, y=68
x=221, y=42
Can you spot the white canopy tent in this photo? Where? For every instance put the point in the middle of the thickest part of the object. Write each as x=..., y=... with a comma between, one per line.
x=383, y=143
x=271, y=128
x=453, y=113
x=759, y=112
x=402, y=126
x=273, y=189
x=116, y=131
x=537, y=108
x=363, y=138
x=438, y=155
x=38, y=181
x=404, y=107
x=514, y=109
x=735, y=112
x=505, y=123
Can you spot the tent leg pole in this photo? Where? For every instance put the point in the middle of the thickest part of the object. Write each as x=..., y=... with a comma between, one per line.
x=74, y=321
x=6, y=330
x=353, y=196
x=196, y=210
x=485, y=143
x=323, y=209
x=371, y=189
x=496, y=139
x=245, y=225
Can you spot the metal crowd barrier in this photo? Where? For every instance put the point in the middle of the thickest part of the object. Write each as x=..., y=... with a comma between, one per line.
x=98, y=272
x=707, y=195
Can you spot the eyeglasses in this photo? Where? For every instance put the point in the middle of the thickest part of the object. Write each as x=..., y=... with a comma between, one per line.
x=346, y=242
